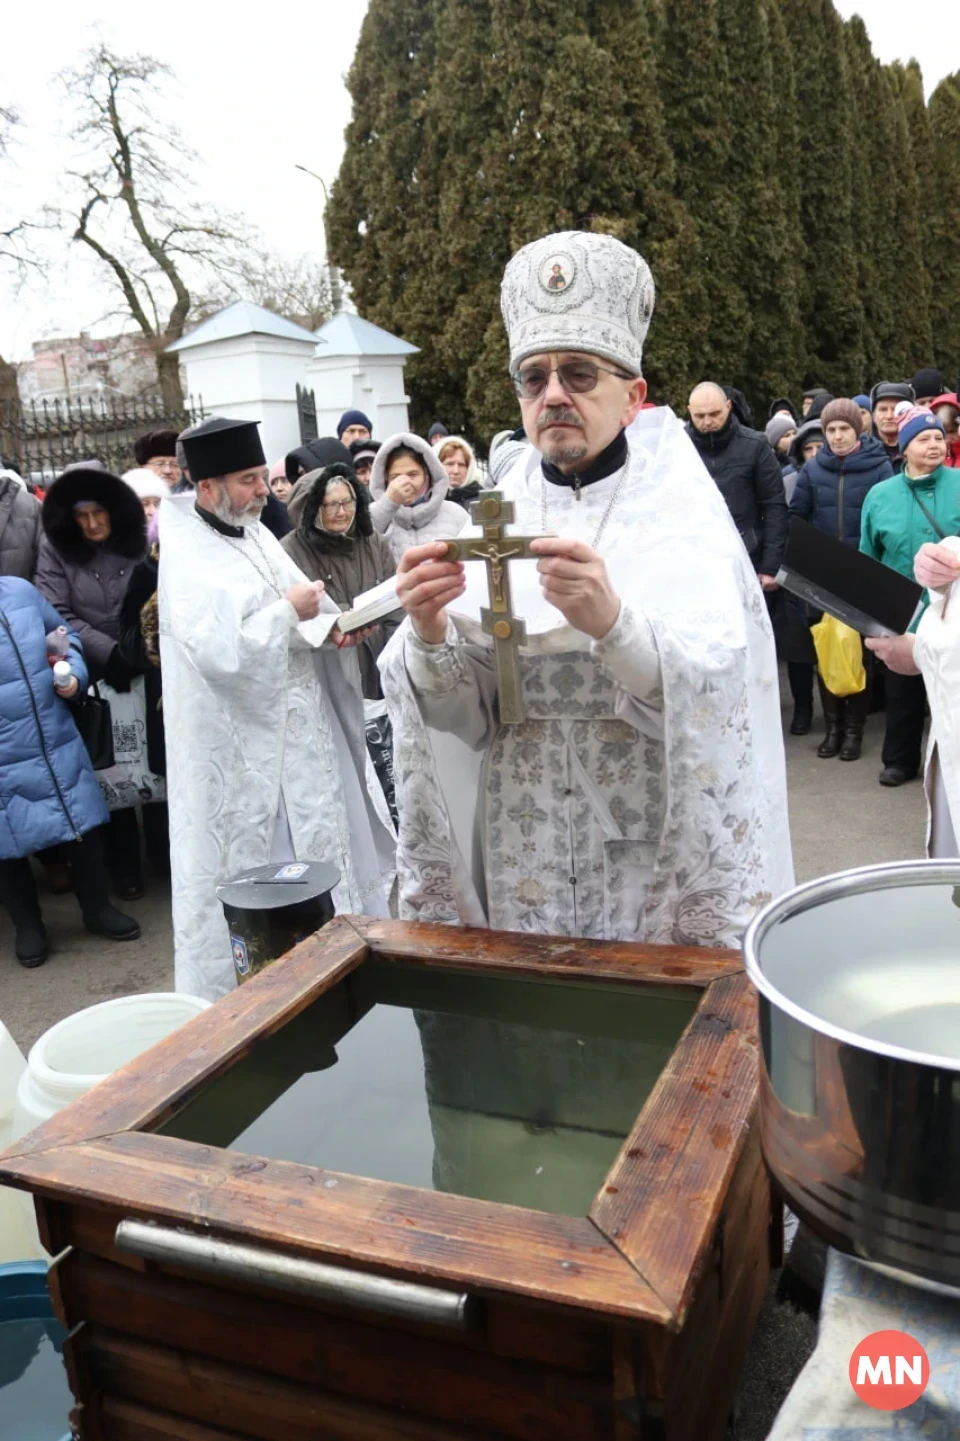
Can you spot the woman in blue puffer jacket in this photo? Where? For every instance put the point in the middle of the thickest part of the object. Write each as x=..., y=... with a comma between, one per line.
x=830, y=492
x=48, y=792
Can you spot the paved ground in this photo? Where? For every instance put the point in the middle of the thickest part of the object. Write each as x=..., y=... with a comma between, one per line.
x=839, y=817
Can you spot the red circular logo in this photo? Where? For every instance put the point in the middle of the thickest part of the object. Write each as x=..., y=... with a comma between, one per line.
x=889, y=1370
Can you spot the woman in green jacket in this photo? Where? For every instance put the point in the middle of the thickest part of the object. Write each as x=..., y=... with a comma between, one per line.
x=918, y=506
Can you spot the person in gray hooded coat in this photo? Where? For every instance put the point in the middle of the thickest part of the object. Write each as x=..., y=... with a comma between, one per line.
x=20, y=528
x=409, y=490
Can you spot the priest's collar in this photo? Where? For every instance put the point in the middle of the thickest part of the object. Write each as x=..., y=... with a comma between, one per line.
x=612, y=459
x=215, y=523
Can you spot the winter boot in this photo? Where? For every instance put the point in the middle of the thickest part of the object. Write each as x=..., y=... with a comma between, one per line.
x=801, y=688
x=18, y=896
x=855, y=712
x=88, y=869
x=833, y=716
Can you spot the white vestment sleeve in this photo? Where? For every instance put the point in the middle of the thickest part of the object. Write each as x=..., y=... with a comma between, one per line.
x=455, y=685
x=628, y=653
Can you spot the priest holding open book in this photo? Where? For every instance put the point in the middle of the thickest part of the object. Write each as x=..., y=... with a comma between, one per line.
x=266, y=752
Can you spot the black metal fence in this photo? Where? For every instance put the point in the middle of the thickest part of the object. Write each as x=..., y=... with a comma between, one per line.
x=307, y=414
x=40, y=438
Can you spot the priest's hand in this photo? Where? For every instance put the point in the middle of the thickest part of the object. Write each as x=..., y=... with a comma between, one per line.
x=574, y=579
x=347, y=640
x=426, y=584
x=896, y=652
x=306, y=598
x=936, y=566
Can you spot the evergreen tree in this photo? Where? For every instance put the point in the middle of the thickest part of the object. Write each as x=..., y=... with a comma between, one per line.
x=875, y=219
x=768, y=264
x=915, y=337
x=698, y=105
x=944, y=254
x=830, y=304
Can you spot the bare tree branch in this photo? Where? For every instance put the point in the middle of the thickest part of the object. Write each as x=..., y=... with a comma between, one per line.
x=135, y=208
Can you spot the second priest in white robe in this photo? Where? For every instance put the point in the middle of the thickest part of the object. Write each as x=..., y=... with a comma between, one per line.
x=264, y=726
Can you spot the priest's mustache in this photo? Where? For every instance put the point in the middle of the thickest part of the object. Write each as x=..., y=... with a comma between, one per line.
x=558, y=415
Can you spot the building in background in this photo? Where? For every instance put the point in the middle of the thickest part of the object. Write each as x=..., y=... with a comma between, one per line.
x=81, y=367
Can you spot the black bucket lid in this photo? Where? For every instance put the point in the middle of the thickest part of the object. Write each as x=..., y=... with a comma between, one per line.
x=284, y=883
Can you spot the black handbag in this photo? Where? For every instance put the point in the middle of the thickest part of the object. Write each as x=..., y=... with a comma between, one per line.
x=91, y=714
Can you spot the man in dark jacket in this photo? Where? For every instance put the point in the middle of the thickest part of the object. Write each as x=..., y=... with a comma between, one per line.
x=885, y=396
x=747, y=474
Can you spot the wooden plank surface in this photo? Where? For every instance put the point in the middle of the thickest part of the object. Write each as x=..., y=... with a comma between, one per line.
x=661, y=1202
x=512, y=952
x=127, y=1421
x=245, y=1401
x=418, y=1235
x=380, y=1365
x=150, y=1087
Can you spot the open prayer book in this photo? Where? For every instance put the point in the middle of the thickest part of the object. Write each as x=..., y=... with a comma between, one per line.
x=371, y=606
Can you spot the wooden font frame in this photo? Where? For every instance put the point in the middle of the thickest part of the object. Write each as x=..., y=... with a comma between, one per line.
x=637, y=1255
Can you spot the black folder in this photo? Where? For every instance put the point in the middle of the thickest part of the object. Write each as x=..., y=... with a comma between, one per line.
x=855, y=588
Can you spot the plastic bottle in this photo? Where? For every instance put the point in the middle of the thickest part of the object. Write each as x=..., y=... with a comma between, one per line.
x=58, y=644
x=62, y=672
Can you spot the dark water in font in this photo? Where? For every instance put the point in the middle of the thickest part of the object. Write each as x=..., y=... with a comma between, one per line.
x=35, y=1399
x=501, y=1089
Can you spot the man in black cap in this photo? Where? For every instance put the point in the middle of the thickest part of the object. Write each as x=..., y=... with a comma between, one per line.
x=265, y=736
x=927, y=384
x=885, y=396
x=274, y=514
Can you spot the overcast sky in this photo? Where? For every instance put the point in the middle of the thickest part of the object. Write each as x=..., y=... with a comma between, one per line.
x=258, y=91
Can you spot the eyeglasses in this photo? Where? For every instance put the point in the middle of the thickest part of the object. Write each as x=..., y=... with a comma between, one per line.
x=576, y=377
x=332, y=505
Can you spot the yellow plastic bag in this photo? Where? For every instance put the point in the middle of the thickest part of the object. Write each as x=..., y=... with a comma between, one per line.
x=839, y=656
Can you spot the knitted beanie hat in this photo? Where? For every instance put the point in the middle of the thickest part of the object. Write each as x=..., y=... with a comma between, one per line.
x=927, y=382
x=778, y=427
x=914, y=422
x=863, y=401
x=842, y=409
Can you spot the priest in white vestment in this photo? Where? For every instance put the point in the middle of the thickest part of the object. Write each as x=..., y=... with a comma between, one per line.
x=933, y=651
x=266, y=749
x=644, y=796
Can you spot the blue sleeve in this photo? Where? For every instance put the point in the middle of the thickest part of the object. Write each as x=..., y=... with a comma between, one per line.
x=802, y=502
x=51, y=620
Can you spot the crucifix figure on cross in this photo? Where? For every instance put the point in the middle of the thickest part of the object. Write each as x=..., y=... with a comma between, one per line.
x=492, y=513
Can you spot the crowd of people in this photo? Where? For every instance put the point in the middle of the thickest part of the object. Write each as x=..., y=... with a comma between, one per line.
x=641, y=796
x=879, y=472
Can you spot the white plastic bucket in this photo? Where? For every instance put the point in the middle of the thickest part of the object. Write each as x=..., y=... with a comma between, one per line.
x=81, y=1051
x=18, y=1240
x=84, y=1049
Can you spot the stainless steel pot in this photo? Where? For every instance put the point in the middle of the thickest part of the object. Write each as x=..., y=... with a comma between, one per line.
x=859, y=981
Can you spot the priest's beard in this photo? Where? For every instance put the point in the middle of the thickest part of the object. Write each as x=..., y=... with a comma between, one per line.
x=568, y=450
x=225, y=510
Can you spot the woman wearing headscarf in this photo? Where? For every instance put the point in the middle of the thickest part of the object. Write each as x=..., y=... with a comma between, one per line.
x=409, y=487
x=334, y=541
x=95, y=531
x=459, y=461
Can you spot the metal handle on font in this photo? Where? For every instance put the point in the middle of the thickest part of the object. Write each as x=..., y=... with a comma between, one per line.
x=357, y=1289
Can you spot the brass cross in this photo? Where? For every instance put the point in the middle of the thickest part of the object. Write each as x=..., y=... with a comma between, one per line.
x=493, y=513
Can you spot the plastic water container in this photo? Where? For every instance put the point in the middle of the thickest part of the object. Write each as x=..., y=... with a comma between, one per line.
x=35, y=1398
x=82, y=1050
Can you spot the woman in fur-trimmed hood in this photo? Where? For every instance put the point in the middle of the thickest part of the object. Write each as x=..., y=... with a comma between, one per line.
x=94, y=534
x=409, y=487
x=334, y=541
